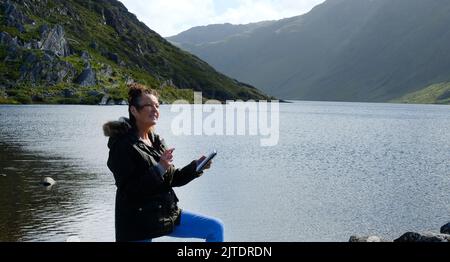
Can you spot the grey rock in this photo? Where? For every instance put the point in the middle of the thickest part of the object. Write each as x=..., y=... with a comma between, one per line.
x=425, y=237
x=8, y=40
x=14, y=17
x=85, y=56
x=37, y=98
x=114, y=57
x=167, y=83
x=27, y=45
x=48, y=70
x=129, y=80
x=67, y=93
x=93, y=45
x=73, y=239
x=106, y=71
x=104, y=100
x=115, y=20
x=48, y=181
x=54, y=40
x=366, y=239
x=87, y=78
x=445, y=229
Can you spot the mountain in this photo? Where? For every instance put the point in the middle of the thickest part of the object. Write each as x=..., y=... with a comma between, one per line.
x=434, y=94
x=213, y=33
x=342, y=50
x=80, y=51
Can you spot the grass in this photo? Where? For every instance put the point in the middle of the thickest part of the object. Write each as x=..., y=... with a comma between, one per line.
x=158, y=63
x=433, y=94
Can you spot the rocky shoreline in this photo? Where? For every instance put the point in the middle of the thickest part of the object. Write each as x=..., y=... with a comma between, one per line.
x=443, y=236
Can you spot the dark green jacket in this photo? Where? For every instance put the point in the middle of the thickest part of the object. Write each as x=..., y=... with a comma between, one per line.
x=146, y=205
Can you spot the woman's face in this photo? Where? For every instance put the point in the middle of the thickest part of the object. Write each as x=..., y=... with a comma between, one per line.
x=147, y=114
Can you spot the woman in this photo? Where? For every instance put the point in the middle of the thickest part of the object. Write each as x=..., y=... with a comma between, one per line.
x=146, y=205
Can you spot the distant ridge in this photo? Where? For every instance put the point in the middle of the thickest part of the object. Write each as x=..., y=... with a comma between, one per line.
x=342, y=50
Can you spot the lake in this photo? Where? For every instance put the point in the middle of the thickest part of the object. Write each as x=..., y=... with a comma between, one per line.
x=338, y=169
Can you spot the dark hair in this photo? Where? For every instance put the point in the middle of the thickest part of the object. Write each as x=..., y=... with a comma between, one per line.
x=135, y=92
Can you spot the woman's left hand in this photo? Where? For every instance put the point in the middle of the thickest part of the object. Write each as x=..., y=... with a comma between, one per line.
x=207, y=166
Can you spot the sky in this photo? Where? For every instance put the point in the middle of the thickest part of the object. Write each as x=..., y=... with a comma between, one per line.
x=170, y=17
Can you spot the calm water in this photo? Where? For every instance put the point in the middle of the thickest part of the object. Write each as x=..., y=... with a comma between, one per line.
x=339, y=169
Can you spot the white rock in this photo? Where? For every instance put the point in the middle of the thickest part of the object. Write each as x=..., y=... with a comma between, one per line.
x=73, y=239
x=48, y=181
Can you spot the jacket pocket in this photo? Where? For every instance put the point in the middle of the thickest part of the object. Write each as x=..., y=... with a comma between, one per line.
x=148, y=218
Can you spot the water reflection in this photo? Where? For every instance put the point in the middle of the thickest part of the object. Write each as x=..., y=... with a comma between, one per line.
x=30, y=211
x=339, y=169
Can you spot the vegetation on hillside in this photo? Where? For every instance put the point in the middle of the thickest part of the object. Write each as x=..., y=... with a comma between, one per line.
x=77, y=51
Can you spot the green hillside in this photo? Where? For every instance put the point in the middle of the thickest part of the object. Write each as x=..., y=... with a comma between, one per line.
x=80, y=51
x=434, y=94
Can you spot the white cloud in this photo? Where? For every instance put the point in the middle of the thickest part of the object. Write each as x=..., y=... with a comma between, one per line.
x=169, y=17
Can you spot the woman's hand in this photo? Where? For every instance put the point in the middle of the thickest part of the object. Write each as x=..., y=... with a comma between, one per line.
x=167, y=158
x=207, y=166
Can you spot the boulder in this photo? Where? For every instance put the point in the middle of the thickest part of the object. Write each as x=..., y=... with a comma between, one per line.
x=425, y=237
x=85, y=57
x=67, y=93
x=54, y=40
x=48, y=181
x=113, y=56
x=106, y=71
x=104, y=100
x=73, y=239
x=445, y=229
x=87, y=78
x=366, y=239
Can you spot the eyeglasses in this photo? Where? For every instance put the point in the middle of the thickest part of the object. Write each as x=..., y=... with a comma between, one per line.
x=149, y=105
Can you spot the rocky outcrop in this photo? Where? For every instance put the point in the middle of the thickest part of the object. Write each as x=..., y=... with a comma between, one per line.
x=104, y=100
x=444, y=236
x=114, y=19
x=12, y=46
x=54, y=40
x=422, y=237
x=85, y=57
x=53, y=50
x=47, y=69
x=366, y=239
x=87, y=78
x=15, y=18
x=7, y=40
x=106, y=71
x=114, y=57
x=445, y=229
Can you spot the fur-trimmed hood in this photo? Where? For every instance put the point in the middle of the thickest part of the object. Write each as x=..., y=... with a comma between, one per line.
x=117, y=128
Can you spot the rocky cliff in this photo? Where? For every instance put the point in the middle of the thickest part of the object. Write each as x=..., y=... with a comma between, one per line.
x=80, y=51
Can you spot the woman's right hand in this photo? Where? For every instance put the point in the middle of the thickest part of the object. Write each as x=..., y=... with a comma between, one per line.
x=167, y=158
